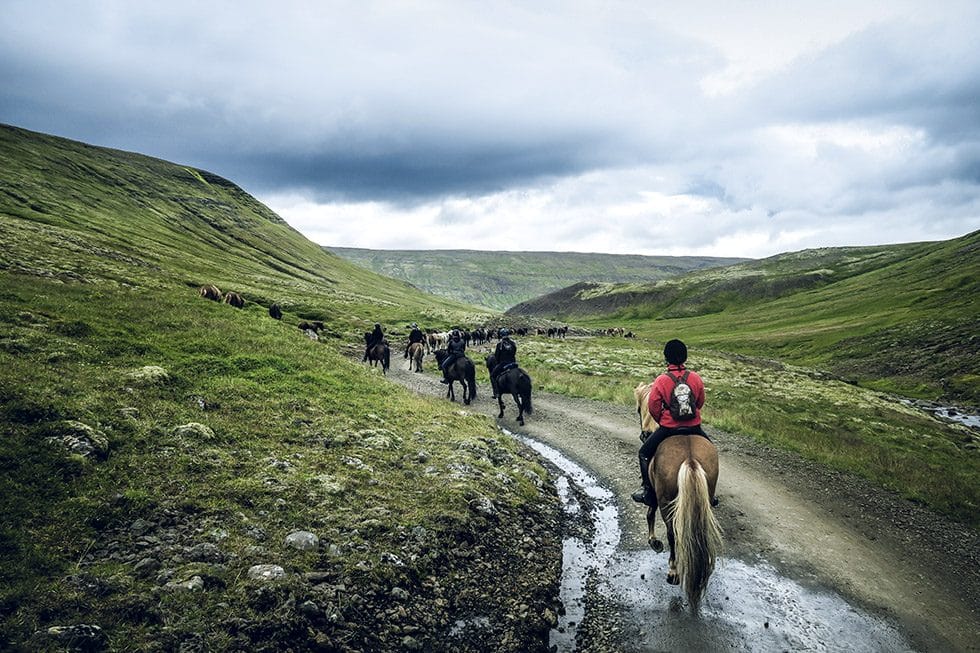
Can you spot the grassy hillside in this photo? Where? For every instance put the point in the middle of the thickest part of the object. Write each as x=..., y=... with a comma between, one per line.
x=499, y=280
x=900, y=317
x=157, y=446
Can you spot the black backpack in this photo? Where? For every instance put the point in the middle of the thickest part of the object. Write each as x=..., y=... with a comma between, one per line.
x=683, y=404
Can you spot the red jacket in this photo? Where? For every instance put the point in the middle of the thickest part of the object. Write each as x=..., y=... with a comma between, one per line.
x=659, y=400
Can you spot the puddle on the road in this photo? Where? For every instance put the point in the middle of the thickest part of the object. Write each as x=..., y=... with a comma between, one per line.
x=747, y=607
x=579, y=559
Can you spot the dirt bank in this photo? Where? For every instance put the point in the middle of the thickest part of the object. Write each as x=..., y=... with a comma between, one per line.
x=883, y=554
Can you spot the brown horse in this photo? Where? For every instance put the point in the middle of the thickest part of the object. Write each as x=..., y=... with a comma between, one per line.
x=684, y=473
x=210, y=292
x=234, y=299
x=380, y=353
x=416, y=351
x=462, y=370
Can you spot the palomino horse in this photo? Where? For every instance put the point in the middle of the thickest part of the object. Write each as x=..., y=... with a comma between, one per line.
x=461, y=370
x=435, y=341
x=416, y=351
x=514, y=382
x=684, y=473
x=380, y=353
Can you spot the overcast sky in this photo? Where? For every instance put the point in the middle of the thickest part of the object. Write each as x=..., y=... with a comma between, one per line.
x=724, y=128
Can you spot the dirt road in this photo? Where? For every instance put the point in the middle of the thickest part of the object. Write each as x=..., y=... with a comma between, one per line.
x=806, y=548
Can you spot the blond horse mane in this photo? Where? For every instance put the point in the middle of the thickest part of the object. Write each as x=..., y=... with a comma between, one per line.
x=642, y=394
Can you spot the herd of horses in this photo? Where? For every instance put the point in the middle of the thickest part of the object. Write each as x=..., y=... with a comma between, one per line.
x=684, y=471
x=513, y=381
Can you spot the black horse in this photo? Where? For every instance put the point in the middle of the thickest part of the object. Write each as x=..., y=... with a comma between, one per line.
x=462, y=370
x=380, y=353
x=514, y=382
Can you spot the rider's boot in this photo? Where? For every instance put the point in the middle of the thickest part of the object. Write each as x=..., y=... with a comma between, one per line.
x=645, y=494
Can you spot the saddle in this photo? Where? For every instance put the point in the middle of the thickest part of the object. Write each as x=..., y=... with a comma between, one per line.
x=504, y=368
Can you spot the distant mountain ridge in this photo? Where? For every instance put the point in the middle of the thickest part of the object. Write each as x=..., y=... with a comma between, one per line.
x=500, y=279
x=711, y=290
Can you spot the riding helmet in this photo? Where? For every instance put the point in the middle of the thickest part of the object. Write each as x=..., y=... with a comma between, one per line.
x=675, y=352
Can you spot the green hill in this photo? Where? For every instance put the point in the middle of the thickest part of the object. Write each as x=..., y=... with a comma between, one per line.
x=899, y=317
x=499, y=280
x=158, y=446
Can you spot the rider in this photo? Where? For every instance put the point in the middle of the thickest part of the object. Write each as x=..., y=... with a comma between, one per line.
x=455, y=349
x=675, y=353
x=414, y=336
x=505, y=353
x=371, y=339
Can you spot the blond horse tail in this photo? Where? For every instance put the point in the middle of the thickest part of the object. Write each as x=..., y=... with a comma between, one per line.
x=697, y=536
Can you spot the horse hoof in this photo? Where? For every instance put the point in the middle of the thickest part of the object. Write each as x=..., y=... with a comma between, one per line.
x=657, y=545
x=672, y=579
x=521, y=422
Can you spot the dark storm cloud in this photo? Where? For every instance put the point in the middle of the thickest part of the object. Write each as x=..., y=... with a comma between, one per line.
x=416, y=173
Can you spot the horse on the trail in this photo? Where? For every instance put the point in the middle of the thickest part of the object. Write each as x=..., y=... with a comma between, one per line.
x=462, y=370
x=435, y=340
x=514, y=382
x=380, y=353
x=416, y=351
x=684, y=473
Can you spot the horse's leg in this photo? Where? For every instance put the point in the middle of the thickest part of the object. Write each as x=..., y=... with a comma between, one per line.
x=520, y=408
x=500, y=401
x=652, y=540
x=672, y=577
